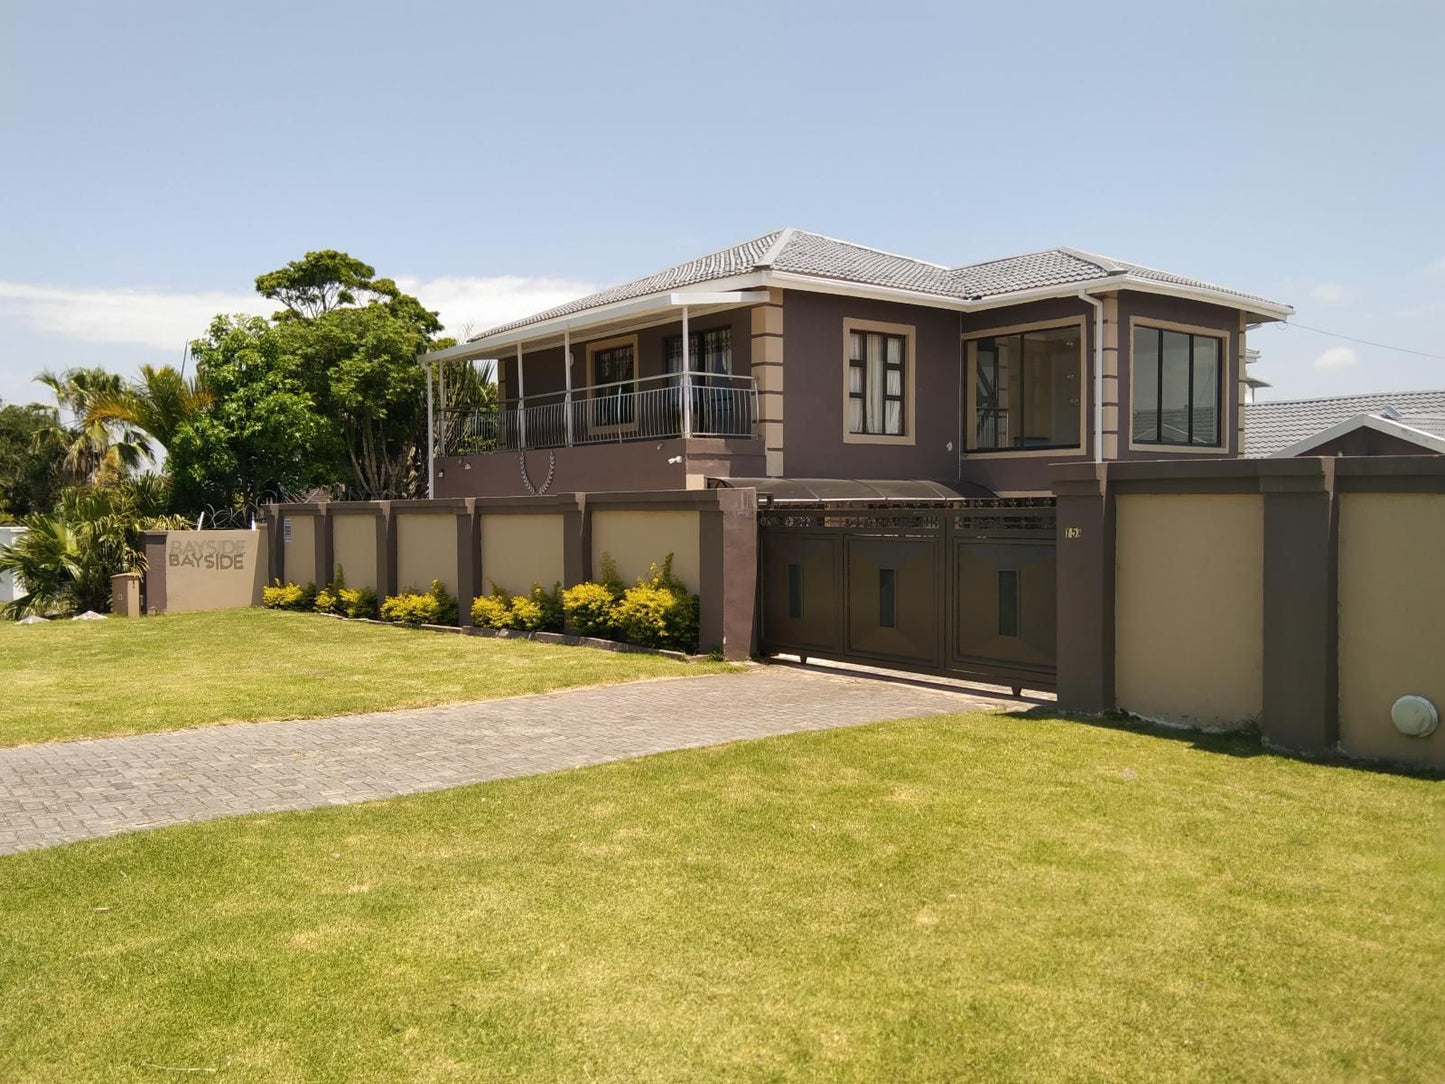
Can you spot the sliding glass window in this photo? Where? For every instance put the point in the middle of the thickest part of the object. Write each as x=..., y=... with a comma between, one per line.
x=1026, y=390
x=1176, y=393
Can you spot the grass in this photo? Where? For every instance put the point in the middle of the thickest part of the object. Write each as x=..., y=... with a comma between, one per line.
x=81, y=679
x=967, y=897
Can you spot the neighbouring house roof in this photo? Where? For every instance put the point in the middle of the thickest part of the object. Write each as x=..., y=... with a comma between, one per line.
x=800, y=256
x=1292, y=426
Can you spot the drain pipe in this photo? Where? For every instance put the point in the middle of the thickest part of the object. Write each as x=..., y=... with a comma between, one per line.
x=1098, y=373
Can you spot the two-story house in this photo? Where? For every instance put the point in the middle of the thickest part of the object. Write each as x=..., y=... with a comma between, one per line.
x=798, y=358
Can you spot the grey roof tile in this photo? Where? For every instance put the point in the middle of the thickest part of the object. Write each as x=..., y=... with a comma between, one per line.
x=799, y=252
x=1273, y=426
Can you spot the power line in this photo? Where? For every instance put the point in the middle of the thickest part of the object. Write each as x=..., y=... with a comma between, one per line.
x=1364, y=342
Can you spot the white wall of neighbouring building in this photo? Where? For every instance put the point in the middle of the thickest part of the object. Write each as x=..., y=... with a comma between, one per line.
x=10, y=587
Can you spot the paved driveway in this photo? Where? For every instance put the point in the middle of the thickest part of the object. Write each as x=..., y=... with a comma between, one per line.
x=66, y=791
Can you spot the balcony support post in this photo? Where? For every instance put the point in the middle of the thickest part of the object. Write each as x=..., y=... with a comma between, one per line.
x=521, y=401
x=567, y=379
x=686, y=377
x=442, y=405
x=431, y=440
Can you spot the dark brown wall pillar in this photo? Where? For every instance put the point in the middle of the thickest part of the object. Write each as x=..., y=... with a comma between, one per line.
x=1301, y=679
x=469, y=560
x=321, y=539
x=276, y=544
x=728, y=559
x=154, y=544
x=576, y=543
x=386, y=552
x=1085, y=507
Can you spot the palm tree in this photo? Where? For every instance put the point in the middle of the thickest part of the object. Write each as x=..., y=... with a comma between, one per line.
x=95, y=449
x=157, y=404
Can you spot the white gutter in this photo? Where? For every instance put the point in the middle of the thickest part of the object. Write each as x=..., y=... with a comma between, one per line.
x=1098, y=373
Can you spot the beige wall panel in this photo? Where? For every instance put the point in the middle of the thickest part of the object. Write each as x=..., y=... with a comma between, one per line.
x=426, y=550
x=520, y=550
x=300, y=548
x=637, y=539
x=214, y=570
x=353, y=548
x=1392, y=620
x=1189, y=608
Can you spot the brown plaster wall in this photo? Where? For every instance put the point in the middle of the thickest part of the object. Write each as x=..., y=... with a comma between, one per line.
x=1391, y=620
x=210, y=570
x=520, y=549
x=300, y=548
x=813, y=408
x=426, y=550
x=353, y=541
x=636, y=538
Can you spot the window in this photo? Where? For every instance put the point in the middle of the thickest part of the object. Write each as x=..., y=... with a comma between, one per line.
x=1175, y=397
x=613, y=371
x=876, y=371
x=709, y=351
x=1025, y=389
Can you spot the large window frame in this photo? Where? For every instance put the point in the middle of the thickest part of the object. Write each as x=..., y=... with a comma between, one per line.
x=971, y=447
x=1221, y=405
x=615, y=409
x=705, y=347
x=906, y=397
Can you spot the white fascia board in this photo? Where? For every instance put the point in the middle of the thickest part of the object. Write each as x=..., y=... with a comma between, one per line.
x=1388, y=426
x=735, y=290
x=815, y=284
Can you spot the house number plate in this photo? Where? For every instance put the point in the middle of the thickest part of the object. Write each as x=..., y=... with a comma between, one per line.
x=1073, y=532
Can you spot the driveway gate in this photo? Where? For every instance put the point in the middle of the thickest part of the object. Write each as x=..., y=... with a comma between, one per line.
x=963, y=588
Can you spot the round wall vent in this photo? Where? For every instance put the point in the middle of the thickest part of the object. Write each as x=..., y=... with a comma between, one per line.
x=1414, y=716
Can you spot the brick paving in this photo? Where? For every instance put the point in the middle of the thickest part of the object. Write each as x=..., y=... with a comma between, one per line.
x=65, y=791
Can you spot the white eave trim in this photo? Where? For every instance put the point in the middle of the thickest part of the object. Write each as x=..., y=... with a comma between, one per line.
x=1387, y=426
x=744, y=292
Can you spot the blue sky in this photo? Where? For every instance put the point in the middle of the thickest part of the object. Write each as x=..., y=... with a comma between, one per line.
x=498, y=159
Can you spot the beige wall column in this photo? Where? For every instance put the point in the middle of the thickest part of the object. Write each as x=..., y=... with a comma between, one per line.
x=767, y=365
x=1112, y=421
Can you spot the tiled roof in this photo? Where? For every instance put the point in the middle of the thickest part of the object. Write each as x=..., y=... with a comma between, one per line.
x=798, y=252
x=1272, y=427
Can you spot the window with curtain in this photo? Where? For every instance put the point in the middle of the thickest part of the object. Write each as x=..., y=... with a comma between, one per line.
x=876, y=371
x=1175, y=398
x=1026, y=389
x=710, y=351
x=614, y=366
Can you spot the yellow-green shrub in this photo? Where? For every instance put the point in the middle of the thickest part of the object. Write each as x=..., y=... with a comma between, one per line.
x=288, y=596
x=588, y=608
x=540, y=610
x=328, y=599
x=659, y=611
x=492, y=611
x=436, y=607
x=358, y=601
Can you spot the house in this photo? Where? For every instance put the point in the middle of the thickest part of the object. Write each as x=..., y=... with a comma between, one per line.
x=795, y=358
x=1386, y=423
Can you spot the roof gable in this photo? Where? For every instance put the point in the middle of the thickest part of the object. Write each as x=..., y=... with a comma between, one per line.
x=1272, y=428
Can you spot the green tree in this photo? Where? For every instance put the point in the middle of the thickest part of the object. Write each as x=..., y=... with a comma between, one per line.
x=157, y=403
x=31, y=452
x=96, y=450
x=66, y=558
x=262, y=433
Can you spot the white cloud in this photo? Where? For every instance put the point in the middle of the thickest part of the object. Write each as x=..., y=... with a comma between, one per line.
x=169, y=319
x=1331, y=293
x=1336, y=357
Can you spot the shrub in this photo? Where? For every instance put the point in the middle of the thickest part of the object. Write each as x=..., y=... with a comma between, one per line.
x=659, y=611
x=539, y=610
x=436, y=607
x=492, y=611
x=358, y=601
x=289, y=596
x=328, y=599
x=589, y=609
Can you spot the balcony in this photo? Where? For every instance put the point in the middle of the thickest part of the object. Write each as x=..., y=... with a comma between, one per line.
x=691, y=405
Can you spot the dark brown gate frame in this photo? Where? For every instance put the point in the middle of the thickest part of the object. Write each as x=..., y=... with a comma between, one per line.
x=1014, y=533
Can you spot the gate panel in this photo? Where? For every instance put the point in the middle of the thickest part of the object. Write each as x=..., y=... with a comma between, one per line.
x=963, y=587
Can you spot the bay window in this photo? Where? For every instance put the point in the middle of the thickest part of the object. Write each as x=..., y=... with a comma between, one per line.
x=1024, y=389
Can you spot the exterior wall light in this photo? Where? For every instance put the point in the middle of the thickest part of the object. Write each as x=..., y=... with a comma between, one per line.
x=1414, y=716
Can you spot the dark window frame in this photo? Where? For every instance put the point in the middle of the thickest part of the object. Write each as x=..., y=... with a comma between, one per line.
x=614, y=407
x=1221, y=364
x=901, y=366
x=997, y=411
x=697, y=348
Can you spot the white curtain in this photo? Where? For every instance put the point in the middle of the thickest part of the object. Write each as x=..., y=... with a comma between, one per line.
x=874, y=397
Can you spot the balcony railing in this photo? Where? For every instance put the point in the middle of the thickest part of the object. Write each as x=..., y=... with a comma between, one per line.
x=675, y=405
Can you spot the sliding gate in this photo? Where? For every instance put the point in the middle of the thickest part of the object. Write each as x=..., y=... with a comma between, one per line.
x=963, y=588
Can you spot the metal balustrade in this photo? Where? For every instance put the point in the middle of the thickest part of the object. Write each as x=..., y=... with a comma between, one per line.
x=675, y=405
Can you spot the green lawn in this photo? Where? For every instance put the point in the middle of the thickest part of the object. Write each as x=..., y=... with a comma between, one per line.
x=82, y=679
x=961, y=898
